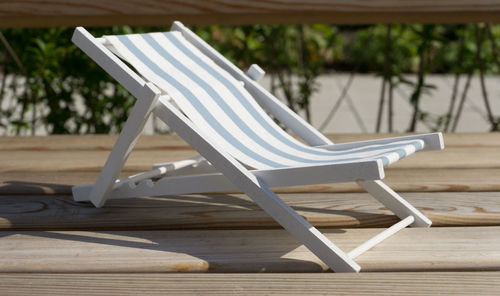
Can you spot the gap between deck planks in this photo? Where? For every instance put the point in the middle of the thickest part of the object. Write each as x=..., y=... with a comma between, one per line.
x=469, y=166
x=45, y=13
x=88, y=153
x=412, y=249
x=373, y=284
x=355, y=210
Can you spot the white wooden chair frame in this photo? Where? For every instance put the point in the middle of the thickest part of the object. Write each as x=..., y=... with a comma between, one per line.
x=218, y=171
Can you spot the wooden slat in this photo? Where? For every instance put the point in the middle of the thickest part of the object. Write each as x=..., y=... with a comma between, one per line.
x=93, y=160
x=88, y=142
x=453, y=157
x=24, y=13
x=60, y=161
x=412, y=249
x=173, y=142
x=42, y=212
x=380, y=283
x=85, y=160
x=231, y=245
x=450, y=140
x=420, y=180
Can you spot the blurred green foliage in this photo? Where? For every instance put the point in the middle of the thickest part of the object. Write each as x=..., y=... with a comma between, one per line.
x=55, y=85
x=52, y=73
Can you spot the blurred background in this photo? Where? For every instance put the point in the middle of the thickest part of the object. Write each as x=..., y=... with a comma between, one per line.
x=370, y=78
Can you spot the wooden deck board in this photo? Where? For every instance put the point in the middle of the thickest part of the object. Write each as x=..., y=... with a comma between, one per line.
x=174, y=142
x=373, y=284
x=412, y=249
x=403, y=180
x=93, y=160
x=355, y=210
x=45, y=232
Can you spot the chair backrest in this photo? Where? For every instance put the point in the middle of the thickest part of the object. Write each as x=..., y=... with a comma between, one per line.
x=214, y=100
x=220, y=105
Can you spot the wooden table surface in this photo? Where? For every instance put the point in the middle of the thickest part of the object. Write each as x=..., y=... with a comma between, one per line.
x=51, y=245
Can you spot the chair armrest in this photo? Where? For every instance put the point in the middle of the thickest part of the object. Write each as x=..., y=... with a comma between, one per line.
x=432, y=141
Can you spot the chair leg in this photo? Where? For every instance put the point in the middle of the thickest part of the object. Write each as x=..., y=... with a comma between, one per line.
x=124, y=145
x=297, y=226
x=394, y=202
x=257, y=190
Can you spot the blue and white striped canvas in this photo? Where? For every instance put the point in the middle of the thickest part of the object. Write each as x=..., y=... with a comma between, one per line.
x=220, y=106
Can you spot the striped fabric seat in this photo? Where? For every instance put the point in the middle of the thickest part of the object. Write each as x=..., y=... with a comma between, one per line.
x=226, y=113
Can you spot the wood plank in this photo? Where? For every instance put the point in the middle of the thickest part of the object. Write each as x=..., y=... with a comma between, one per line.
x=174, y=142
x=453, y=157
x=352, y=210
x=93, y=160
x=450, y=139
x=24, y=13
x=89, y=142
x=85, y=160
x=379, y=283
x=412, y=249
x=402, y=180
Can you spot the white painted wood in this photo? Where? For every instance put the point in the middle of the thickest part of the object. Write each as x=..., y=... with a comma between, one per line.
x=124, y=145
x=176, y=165
x=112, y=49
x=157, y=171
x=108, y=61
x=269, y=102
x=395, y=202
x=255, y=72
x=315, y=241
x=165, y=186
x=372, y=242
x=432, y=141
x=321, y=174
x=134, y=179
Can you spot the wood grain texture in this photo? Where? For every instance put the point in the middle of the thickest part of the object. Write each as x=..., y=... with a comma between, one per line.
x=174, y=142
x=89, y=142
x=25, y=13
x=413, y=249
x=402, y=180
x=85, y=160
x=373, y=284
x=51, y=165
x=450, y=140
x=355, y=210
x=93, y=160
x=241, y=237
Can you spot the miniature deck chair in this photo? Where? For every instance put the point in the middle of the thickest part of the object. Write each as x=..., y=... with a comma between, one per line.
x=219, y=111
